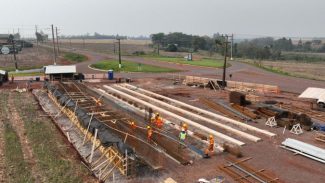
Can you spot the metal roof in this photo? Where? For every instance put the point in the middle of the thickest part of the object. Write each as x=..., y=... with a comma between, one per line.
x=313, y=93
x=305, y=149
x=2, y=72
x=60, y=69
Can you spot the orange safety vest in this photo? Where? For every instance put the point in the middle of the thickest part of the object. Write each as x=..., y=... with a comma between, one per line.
x=159, y=122
x=211, y=145
x=149, y=133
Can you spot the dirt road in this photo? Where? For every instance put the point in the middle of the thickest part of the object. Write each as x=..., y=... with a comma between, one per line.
x=240, y=72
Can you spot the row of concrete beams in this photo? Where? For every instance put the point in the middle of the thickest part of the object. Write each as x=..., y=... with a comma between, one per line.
x=199, y=117
x=211, y=114
x=168, y=113
x=143, y=112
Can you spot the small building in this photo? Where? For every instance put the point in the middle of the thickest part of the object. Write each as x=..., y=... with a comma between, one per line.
x=317, y=94
x=60, y=72
x=4, y=39
x=3, y=76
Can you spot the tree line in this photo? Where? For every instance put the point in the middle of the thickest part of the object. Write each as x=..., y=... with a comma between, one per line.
x=258, y=48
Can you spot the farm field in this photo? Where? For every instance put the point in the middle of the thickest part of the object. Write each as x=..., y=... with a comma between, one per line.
x=315, y=71
x=33, y=58
x=33, y=150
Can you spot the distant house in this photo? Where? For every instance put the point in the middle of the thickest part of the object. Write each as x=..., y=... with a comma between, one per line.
x=4, y=39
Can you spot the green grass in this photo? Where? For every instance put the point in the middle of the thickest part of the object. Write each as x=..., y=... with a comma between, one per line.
x=55, y=158
x=206, y=62
x=75, y=57
x=25, y=74
x=11, y=69
x=16, y=167
x=130, y=67
x=304, y=57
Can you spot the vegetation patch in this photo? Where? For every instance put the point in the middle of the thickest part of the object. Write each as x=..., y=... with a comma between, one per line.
x=25, y=74
x=75, y=57
x=130, y=67
x=206, y=62
x=17, y=169
x=289, y=72
x=54, y=158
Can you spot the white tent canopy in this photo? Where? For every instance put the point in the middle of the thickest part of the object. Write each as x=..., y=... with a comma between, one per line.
x=313, y=93
x=60, y=69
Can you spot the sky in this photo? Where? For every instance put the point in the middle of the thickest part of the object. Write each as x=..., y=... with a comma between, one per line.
x=289, y=18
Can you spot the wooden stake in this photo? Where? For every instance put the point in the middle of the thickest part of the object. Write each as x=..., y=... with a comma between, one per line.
x=93, y=147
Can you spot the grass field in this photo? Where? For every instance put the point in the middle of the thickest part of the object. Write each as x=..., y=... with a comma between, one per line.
x=25, y=74
x=54, y=159
x=17, y=169
x=206, y=62
x=313, y=71
x=130, y=67
x=56, y=164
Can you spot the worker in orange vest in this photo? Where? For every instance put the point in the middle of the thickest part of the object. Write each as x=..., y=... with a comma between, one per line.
x=158, y=121
x=133, y=126
x=149, y=133
x=210, y=147
x=185, y=127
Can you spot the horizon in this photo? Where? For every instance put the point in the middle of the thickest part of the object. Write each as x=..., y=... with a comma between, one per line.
x=291, y=18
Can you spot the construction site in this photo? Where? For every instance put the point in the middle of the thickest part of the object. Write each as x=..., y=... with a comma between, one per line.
x=127, y=127
x=143, y=102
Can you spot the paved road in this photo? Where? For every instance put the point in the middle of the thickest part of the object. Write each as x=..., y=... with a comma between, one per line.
x=240, y=71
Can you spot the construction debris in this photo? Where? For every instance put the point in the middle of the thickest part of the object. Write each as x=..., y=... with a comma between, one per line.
x=320, y=137
x=241, y=172
x=304, y=149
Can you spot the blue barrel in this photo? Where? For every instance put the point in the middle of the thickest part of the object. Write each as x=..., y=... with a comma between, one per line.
x=110, y=74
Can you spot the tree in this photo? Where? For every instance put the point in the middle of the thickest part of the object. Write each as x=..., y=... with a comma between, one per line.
x=198, y=43
x=158, y=39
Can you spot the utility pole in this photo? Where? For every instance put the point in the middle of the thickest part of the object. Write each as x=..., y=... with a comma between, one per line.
x=54, y=50
x=70, y=43
x=119, y=53
x=14, y=48
x=232, y=44
x=12, y=41
x=57, y=39
x=225, y=43
x=36, y=41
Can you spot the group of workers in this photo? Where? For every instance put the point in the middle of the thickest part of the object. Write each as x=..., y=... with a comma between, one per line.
x=158, y=122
